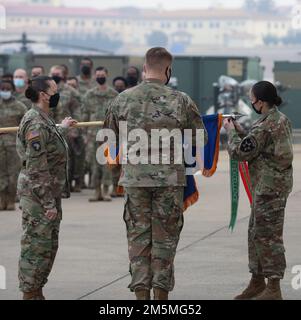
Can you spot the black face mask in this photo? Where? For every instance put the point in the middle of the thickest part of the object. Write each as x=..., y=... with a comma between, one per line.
x=119, y=90
x=53, y=100
x=168, y=76
x=132, y=81
x=101, y=80
x=253, y=106
x=57, y=79
x=86, y=70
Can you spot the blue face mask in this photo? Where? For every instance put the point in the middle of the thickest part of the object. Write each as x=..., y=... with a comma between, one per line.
x=19, y=83
x=5, y=95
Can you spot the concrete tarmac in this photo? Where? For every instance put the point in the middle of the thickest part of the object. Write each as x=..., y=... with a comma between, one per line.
x=211, y=263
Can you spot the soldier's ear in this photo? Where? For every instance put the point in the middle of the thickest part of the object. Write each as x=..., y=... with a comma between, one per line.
x=144, y=68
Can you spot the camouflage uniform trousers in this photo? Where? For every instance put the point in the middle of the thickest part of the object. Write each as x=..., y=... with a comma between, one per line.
x=265, y=236
x=77, y=155
x=116, y=171
x=101, y=174
x=39, y=244
x=10, y=167
x=154, y=221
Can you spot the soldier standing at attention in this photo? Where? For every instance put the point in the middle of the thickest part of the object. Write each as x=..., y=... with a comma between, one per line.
x=69, y=106
x=268, y=149
x=85, y=79
x=11, y=113
x=153, y=192
x=95, y=105
x=85, y=83
x=21, y=84
x=44, y=177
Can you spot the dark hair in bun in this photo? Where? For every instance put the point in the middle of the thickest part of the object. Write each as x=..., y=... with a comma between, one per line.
x=37, y=85
x=266, y=91
x=278, y=101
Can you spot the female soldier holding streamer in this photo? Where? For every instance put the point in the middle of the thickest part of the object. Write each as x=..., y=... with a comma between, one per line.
x=269, y=152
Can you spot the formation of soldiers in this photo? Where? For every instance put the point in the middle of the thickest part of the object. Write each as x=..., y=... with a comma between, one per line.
x=153, y=208
x=85, y=98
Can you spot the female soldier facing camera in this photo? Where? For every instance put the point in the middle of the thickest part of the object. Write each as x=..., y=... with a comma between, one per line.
x=43, y=177
x=268, y=149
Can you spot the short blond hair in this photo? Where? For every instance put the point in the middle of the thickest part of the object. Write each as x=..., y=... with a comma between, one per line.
x=158, y=58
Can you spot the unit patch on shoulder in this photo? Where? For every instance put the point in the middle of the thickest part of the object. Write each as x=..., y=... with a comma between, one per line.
x=248, y=145
x=36, y=145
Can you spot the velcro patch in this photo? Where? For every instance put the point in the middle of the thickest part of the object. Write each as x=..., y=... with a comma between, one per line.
x=32, y=135
x=248, y=145
x=36, y=145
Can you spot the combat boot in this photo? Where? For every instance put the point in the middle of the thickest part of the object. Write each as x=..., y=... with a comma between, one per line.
x=256, y=286
x=114, y=192
x=32, y=295
x=11, y=202
x=271, y=292
x=106, y=193
x=3, y=201
x=142, y=294
x=98, y=195
x=40, y=293
x=77, y=186
x=160, y=294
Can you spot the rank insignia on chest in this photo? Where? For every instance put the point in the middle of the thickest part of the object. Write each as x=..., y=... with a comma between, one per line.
x=36, y=145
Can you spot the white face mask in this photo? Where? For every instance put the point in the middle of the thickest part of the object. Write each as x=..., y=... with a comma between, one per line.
x=5, y=95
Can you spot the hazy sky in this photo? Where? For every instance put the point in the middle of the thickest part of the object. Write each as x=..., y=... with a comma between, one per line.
x=167, y=4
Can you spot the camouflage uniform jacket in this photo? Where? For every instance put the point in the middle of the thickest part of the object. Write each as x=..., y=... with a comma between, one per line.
x=44, y=156
x=22, y=98
x=269, y=151
x=95, y=105
x=148, y=106
x=11, y=114
x=69, y=104
x=85, y=85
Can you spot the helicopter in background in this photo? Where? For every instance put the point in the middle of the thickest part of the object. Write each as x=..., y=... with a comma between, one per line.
x=23, y=57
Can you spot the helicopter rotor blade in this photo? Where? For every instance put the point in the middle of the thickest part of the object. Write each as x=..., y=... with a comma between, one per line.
x=71, y=46
x=16, y=41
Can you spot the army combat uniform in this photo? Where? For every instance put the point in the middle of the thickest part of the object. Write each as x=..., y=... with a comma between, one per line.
x=84, y=85
x=11, y=113
x=70, y=106
x=44, y=155
x=95, y=105
x=22, y=98
x=153, y=211
x=269, y=152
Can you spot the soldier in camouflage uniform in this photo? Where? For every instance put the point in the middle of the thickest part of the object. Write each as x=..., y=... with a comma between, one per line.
x=268, y=149
x=43, y=151
x=153, y=211
x=11, y=113
x=21, y=83
x=69, y=106
x=85, y=79
x=94, y=108
x=85, y=83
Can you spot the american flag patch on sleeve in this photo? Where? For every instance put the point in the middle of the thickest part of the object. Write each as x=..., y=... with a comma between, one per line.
x=32, y=135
